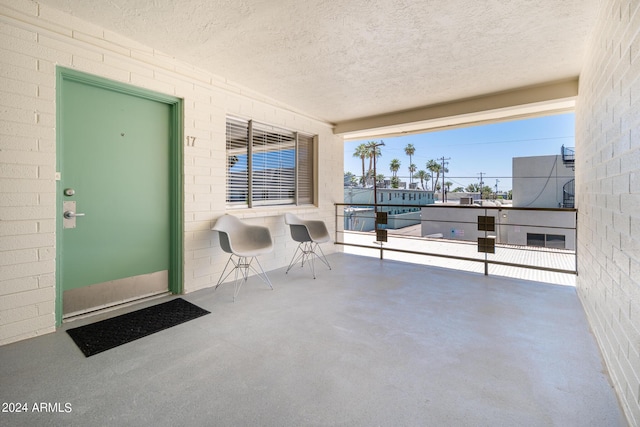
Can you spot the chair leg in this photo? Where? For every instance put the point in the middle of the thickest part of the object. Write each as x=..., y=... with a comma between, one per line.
x=295, y=259
x=241, y=268
x=309, y=257
x=323, y=258
x=261, y=274
x=307, y=253
x=222, y=276
x=313, y=257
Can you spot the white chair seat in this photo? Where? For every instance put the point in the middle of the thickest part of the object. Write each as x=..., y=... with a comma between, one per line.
x=250, y=241
x=244, y=242
x=317, y=231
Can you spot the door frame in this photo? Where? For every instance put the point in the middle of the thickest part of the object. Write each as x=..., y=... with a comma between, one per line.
x=175, y=171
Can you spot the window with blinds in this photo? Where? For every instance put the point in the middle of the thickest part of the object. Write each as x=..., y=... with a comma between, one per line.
x=267, y=165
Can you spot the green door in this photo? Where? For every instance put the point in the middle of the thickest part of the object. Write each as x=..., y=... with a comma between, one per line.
x=115, y=195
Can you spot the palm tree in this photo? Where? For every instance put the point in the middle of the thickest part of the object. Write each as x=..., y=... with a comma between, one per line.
x=394, y=167
x=350, y=179
x=486, y=192
x=410, y=150
x=412, y=169
x=472, y=188
x=373, y=150
x=448, y=184
x=423, y=176
x=380, y=179
x=363, y=153
x=435, y=168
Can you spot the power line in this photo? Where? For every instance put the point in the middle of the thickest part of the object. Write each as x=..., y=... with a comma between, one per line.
x=399, y=150
x=485, y=175
x=512, y=140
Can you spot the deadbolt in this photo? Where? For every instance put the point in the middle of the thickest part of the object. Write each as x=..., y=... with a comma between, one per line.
x=69, y=191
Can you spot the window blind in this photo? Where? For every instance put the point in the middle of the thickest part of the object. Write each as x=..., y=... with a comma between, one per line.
x=273, y=166
x=267, y=165
x=237, y=162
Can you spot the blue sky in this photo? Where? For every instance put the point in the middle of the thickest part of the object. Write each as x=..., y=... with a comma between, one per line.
x=487, y=149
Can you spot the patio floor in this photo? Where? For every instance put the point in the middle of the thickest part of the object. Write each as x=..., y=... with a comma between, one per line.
x=368, y=343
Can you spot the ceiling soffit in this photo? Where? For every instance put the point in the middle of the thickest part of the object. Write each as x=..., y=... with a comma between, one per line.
x=551, y=98
x=341, y=61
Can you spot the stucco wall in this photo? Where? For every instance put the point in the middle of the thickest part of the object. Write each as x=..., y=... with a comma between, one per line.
x=538, y=181
x=537, y=222
x=608, y=190
x=459, y=223
x=35, y=39
x=512, y=226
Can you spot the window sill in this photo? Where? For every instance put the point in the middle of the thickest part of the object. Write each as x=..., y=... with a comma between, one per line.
x=269, y=211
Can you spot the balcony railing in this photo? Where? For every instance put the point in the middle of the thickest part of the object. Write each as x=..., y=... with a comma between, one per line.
x=568, y=156
x=531, y=238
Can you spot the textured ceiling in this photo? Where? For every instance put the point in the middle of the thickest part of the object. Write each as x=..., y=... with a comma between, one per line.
x=340, y=60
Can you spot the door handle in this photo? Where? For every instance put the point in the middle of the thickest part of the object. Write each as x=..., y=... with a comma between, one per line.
x=72, y=214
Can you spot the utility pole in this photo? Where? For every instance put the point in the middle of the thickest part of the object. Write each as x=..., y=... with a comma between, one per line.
x=375, y=190
x=375, y=178
x=444, y=193
x=481, y=184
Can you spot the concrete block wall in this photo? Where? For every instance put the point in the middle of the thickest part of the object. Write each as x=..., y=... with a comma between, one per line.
x=608, y=190
x=34, y=39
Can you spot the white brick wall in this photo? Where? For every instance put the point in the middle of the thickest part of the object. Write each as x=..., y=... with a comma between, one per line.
x=33, y=40
x=608, y=188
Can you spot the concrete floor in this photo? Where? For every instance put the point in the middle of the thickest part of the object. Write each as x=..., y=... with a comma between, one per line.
x=368, y=343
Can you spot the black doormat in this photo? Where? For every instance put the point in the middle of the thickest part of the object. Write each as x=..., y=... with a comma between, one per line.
x=107, y=334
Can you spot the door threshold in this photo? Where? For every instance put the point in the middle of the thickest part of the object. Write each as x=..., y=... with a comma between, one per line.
x=83, y=314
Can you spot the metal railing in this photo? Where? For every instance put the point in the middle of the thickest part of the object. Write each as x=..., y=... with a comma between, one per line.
x=568, y=155
x=532, y=238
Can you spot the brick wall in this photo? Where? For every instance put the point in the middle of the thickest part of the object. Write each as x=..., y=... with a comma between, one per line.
x=608, y=194
x=34, y=39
